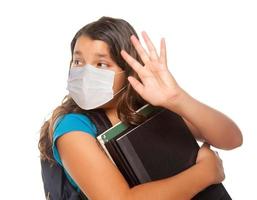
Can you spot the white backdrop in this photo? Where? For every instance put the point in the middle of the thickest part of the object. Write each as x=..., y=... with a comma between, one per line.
x=212, y=53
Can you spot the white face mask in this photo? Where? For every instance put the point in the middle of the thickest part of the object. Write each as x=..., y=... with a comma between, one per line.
x=91, y=87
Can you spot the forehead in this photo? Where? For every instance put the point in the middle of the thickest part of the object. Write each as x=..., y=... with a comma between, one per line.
x=86, y=46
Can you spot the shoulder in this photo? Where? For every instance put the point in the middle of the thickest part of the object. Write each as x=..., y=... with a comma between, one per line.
x=73, y=122
x=68, y=123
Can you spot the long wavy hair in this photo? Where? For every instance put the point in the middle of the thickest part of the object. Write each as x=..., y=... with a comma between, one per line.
x=116, y=33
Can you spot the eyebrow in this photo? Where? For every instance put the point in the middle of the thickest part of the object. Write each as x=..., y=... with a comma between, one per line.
x=77, y=53
x=100, y=55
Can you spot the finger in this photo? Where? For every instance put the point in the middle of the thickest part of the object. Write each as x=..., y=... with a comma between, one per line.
x=163, y=54
x=132, y=62
x=141, y=51
x=150, y=46
x=136, y=85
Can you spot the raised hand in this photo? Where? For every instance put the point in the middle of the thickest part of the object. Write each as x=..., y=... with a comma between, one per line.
x=157, y=84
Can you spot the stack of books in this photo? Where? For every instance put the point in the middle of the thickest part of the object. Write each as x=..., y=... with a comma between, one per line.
x=160, y=147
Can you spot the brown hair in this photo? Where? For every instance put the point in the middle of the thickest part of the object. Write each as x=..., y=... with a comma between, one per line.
x=116, y=33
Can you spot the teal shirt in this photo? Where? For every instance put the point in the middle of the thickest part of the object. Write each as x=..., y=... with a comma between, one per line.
x=65, y=124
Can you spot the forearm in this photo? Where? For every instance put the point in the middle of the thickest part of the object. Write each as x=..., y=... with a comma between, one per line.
x=182, y=186
x=214, y=127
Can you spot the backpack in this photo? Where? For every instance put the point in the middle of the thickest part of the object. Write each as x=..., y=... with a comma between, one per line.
x=56, y=184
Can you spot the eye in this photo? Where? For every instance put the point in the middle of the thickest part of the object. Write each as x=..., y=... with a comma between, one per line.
x=102, y=65
x=76, y=62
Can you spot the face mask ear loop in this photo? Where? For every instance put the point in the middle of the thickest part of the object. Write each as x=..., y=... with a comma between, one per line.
x=124, y=86
x=121, y=90
x=120, y=72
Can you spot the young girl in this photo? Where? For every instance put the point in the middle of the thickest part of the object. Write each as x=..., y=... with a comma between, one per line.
x=110, y=70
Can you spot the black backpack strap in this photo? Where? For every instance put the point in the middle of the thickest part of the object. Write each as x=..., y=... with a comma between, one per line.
x=100, y=119
x=56, y=185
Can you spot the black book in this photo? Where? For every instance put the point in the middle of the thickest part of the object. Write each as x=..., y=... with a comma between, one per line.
x=160, y=147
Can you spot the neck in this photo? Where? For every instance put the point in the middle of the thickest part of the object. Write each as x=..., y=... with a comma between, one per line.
x=112, y=115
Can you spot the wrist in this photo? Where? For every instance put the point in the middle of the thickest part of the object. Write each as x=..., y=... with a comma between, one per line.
x=177, y=103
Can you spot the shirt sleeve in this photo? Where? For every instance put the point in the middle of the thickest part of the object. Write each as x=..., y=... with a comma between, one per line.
x=65, y=124
x=71, y=122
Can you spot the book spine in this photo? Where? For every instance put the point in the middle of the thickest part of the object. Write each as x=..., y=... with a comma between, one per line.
x=147, y=110
x=119, y=163
x=100, y=143
x=134, y=160
x=133, y=180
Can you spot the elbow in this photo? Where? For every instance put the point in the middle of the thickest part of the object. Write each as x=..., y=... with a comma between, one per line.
x=239, y=140
x=236, y=141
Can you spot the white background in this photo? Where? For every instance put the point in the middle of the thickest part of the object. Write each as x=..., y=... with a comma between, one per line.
x=212, y=53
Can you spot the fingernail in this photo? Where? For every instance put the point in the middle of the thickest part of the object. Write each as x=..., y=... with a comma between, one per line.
x=133, y=38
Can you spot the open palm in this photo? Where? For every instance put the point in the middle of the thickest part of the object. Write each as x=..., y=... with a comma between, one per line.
x=157, y=84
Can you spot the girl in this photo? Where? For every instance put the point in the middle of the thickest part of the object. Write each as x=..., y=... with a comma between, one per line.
x=120, y=76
